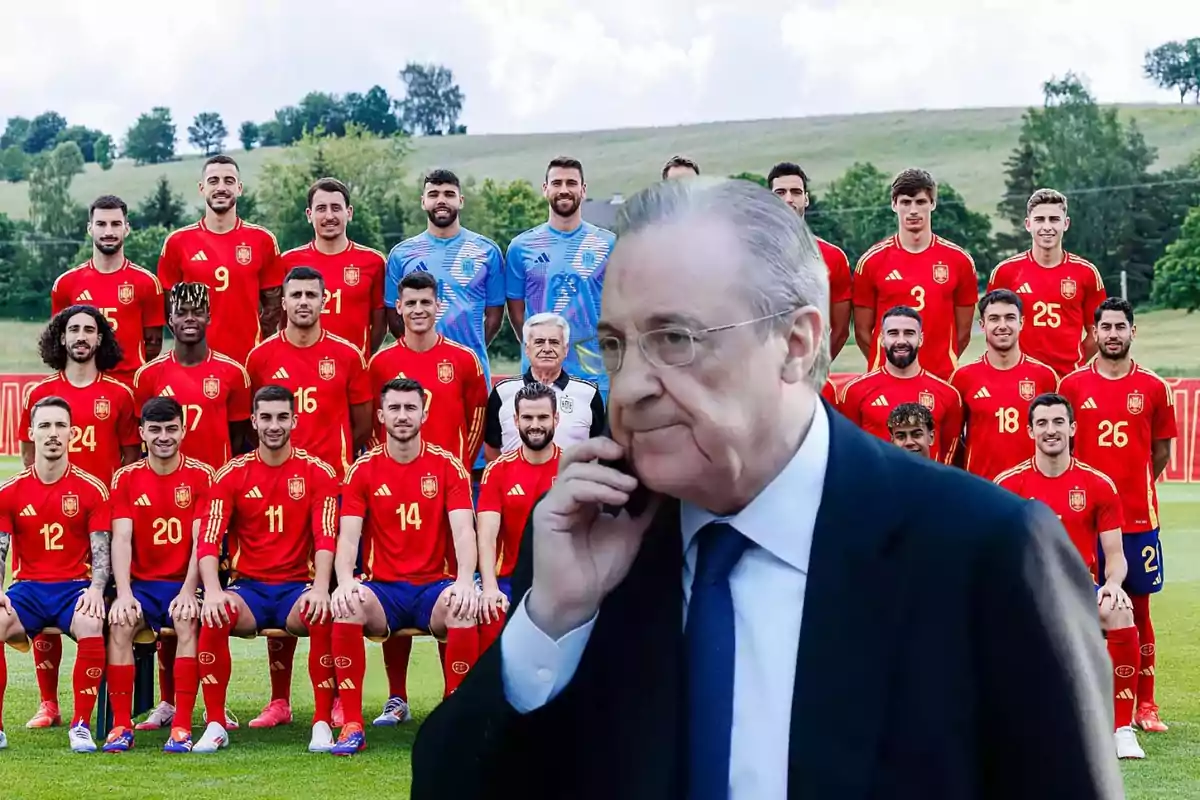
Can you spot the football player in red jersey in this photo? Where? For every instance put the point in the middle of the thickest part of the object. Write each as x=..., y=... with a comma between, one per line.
x=911, y=427
x=996, y=387
x=789, y=182
x=353, y=273
x=1126, y=424
x=916, y=267
x=868, y=399
x=157, y=505
x=279, y=507
x=1086, y=503
x=56, y=517
x=409, y=503
x=80, y=346
x=1060, y=289
x=129, y=297
x=237, y=261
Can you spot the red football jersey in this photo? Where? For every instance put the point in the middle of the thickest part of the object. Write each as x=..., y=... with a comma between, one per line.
x=406, y=513
x=327, y=378
x=456, y=392
x=839, y=271
x=509, y=487
x=103, y=420
x=868, y=399
x=829, y=392
x=131, y=299
x=1084, y=499
x=50, y=524
x=1059, y=304
x=935, y=282
x=995, y=411
x=162, y=509
x=353, y=288
x=1118, y=422
x=213, y=394
x=235, y=266
x=277, y=518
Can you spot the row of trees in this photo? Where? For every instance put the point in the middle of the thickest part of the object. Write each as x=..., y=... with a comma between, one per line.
x=1175, y=65
x=24, y=139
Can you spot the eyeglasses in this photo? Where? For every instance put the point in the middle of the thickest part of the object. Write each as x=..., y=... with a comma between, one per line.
x=667, y=347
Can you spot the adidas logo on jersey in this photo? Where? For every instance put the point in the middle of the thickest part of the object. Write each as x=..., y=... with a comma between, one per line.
x=879, y=402
x=1024, y=288
x=201, y=256
x=84, y=297
x=28, y=511
x=1090, y=403
x=254, y=494
x=516, y=491
x=167, y=392
x=142, y=501
x=982, y=393
x=383, y=491
x=280, y=374
x=894, y=275
x=542, y=259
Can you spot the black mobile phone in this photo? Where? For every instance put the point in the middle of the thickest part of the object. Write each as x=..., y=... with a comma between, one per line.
x=639, y=498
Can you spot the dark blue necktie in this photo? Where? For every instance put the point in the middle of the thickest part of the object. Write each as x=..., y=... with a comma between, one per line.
x=709, y=655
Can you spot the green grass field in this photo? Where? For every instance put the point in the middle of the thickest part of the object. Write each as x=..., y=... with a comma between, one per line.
x=965, y=147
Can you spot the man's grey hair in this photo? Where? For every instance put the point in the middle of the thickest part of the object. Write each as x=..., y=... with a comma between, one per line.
x=784, y=268
x=547, y=318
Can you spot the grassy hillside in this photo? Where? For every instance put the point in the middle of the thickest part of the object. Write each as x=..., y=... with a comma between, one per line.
x=966, y=147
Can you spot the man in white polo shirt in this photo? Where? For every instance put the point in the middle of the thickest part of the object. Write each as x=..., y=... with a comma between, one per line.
x=580, y=404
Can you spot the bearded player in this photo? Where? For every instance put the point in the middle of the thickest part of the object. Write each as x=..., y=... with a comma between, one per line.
x=790, y=183
x=996, y=388
x=353, y=273
x=157, y=506
x=409, y=503
x=910, y=426
x=868, y=399
x=129, y=297
x=56, y=518
x=237, y=261
x=1126, y=424
x=1086, y=502
x=916, y=267
x=279, y=508
x=1060, y=289
x=79, y=344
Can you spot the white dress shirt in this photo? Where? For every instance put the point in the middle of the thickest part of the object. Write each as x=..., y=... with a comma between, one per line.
x=767, y=585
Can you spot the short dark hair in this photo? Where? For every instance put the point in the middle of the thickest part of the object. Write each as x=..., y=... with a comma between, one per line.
x=219, y=158
x=418, y=281
x=303, y=273
x=401, y=385
x=190, y=294
x=161, y=409
x=536, y=390
x=328, y=185
x=272, y=393
x=901, y=311
x=438, y=177
x=1000, y=296
x=679, y=161
x=911, y=182
x=908, y=414
x=784, y=169
x=564, y=162
x=54, y=352
x=1114, y=304
x=107, y=202
x=1050, y=399
x=53, y=401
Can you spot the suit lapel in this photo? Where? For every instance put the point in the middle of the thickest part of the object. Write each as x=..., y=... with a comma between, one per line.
x=851, y=605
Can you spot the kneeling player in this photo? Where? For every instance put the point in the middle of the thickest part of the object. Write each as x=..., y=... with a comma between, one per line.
x=57, y=518
x=911, y=427
x=414, y=498
x=511, y=485
x=1086, y=502
x=157, y=506
x=279, y=506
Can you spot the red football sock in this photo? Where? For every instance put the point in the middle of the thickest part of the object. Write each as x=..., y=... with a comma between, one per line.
x=89, y=669
x=166, y=668
x=120, y=693
x=462, y=650
x=350, y=665
x=320, y=669
x=47, y=658
x=396, y=652
x=187, y=680
x=489, y=632
x=215, y=666
x=1123, y=650
x=1141, y=618
x=281, y=656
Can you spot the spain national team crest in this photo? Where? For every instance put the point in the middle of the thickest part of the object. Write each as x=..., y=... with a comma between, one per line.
x=295, y=488
x=183, y=496
x=70, y=505
x=566, y=403
x=212, y=388
x=926, y=399
x=242, y=253
x=1026, y=389
x=351, y=276
x=429, y=486
x=1067, y=287
x=589, y=259
x=125, y=293
x=326, y=368
x=445, y=372
x=1135, y=402
x=941, y=273
x=101, y=408
x=1077, y=500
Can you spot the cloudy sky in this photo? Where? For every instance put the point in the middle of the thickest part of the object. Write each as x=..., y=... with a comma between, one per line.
x=559, y=65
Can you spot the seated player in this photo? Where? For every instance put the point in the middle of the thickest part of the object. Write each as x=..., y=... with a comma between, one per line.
x=1087, y=503
x=279, y=506
x=413, y=499
x=911, y=427
x=511, y=485
x=157, y=506
x=56, y=517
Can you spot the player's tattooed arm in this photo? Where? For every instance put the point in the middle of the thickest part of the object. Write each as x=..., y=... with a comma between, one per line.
x=5, y=541
x=101, y=559
x=271, y=305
